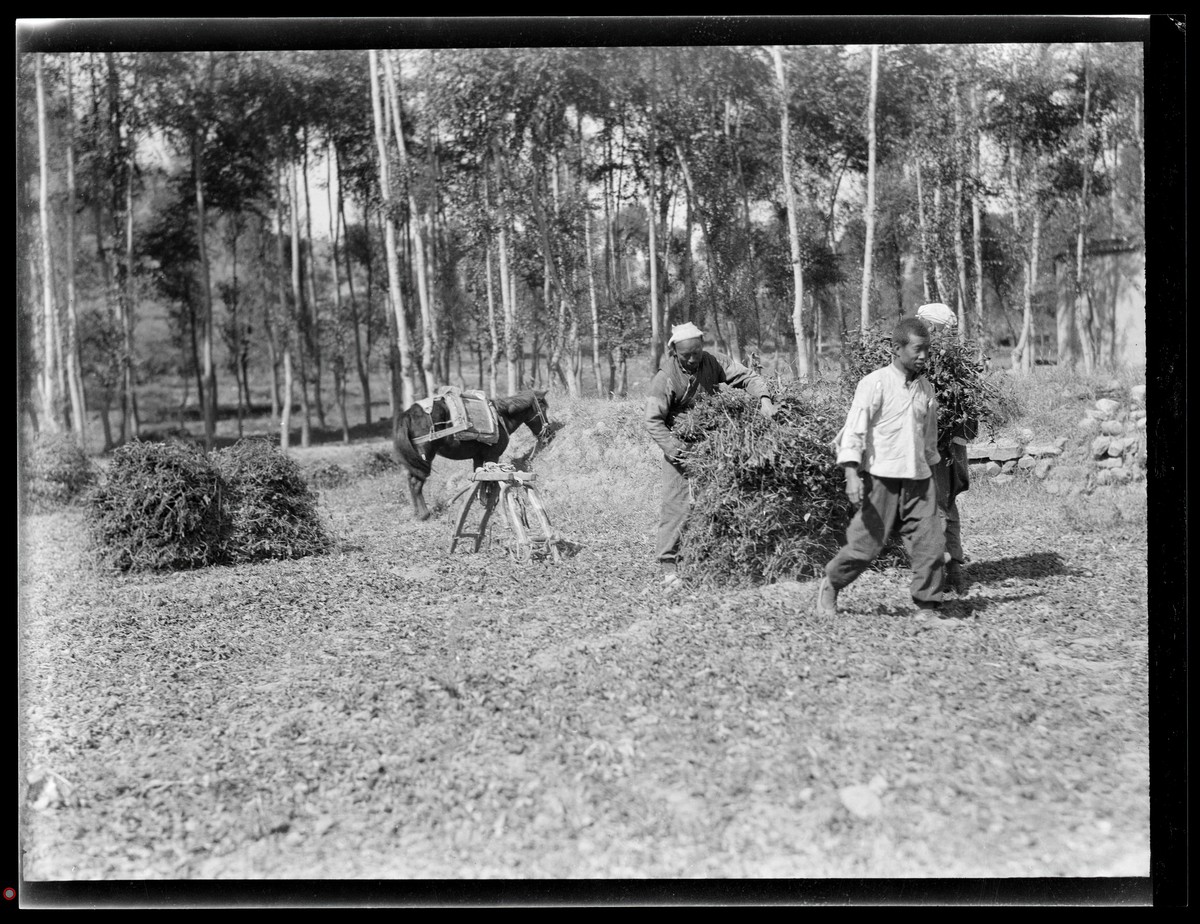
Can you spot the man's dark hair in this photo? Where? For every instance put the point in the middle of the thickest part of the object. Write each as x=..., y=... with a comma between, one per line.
x=905, y=328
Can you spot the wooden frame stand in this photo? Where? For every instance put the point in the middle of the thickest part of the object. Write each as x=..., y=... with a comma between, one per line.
x=520, y=506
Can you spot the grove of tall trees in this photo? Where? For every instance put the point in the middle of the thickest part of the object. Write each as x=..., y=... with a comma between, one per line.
x=206, y=225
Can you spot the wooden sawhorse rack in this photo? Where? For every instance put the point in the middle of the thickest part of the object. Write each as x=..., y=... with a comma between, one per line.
x=520, y=506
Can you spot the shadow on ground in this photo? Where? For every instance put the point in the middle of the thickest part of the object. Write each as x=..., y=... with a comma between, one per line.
x=1031, y=566
x=967, y=608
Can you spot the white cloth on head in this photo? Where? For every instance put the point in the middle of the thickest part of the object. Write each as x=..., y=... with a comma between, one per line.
x=937, y=313
x=688, y=331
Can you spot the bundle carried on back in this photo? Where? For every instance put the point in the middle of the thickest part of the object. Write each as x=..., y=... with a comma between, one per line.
x=969, y=400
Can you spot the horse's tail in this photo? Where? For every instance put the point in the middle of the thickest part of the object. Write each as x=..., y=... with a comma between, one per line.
x=412, y=457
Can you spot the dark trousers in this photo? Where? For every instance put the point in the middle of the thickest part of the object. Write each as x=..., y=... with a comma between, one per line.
x=888, y=503
x=676, y=502
x=951, y=476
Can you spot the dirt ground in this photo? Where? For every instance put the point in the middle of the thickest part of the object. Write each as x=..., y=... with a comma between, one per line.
x=391, y=712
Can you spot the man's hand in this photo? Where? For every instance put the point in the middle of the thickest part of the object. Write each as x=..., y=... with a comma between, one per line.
x=854, y=485
x=766, y=408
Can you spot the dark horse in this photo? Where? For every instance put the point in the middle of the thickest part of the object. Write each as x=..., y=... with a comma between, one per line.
x=528, y=407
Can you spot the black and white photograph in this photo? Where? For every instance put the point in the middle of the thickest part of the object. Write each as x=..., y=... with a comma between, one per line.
x=600, y=461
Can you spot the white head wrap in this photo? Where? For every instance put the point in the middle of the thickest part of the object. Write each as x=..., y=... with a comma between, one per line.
x=937, y=313
x=688, y=331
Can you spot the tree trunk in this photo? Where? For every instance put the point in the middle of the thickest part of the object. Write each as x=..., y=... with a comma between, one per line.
x=122, y=180
x=437, y=300
x=657, y=333
x=339, y=359
x=428, y=349
x=51, y=406
x=553, y=279
x=981, y=332
x=285, y=420
x=1023, y=355
x=747, y=231
x=118, y=288
x=281, y=287
x=313, y=316
x=493, y=332
x=960, y=250
x=1140, y=135
x=239, y=357
x=1084, y=321
x=393, y=266
x=209, y=368
x=364, y=378
x=129, y=303
x=273, y=286
x=339, y=394
x=297, y=324
x=841, y=314
x=512, y=348
x=923, y=233
x=593, y=300
x=868, y=246
x=103, y=259
x=194, y=336
x=939, y=275
x=667, y=221
x=74, y=363
x=566, y=348
x=802, y=350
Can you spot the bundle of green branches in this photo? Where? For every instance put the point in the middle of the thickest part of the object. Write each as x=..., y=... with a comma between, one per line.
x=965, y=393
x=57, y=471
x=769, y=498
x=158, y=509
x=270, y=510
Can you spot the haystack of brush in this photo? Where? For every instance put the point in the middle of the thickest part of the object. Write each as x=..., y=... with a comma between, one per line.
x=168, y=506
x=769, y=498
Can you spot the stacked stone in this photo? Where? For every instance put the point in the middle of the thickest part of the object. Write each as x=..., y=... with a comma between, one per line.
x=1008, y=457
x=1117, y=452
x=1116, y=424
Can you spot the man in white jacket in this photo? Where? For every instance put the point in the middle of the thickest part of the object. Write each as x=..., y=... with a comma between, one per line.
x=888, y=448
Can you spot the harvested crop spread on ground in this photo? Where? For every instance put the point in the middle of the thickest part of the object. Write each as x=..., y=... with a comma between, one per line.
x=387, y=710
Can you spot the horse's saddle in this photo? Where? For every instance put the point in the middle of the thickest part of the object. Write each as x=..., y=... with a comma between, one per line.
x=470, y=415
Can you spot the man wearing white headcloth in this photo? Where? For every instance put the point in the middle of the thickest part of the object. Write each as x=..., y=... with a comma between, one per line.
x=951, y=476
x=688, y=370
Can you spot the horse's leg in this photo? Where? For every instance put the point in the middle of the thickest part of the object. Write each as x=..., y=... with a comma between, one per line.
x=416, y=487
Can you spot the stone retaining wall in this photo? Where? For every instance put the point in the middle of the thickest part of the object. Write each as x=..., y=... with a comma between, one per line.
x=1116, y=453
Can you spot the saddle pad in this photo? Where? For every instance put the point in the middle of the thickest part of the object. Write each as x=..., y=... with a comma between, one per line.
x=481, y=416
x=472, y=416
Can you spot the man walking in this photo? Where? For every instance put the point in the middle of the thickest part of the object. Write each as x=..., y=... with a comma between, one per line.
x=888, y=448
x=687, y=371
x=952, y=475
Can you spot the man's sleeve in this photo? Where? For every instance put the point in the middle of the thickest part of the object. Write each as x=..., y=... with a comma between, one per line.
x=739, y=376
x=853, y=439
x=932, y=456
x=657, y=406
